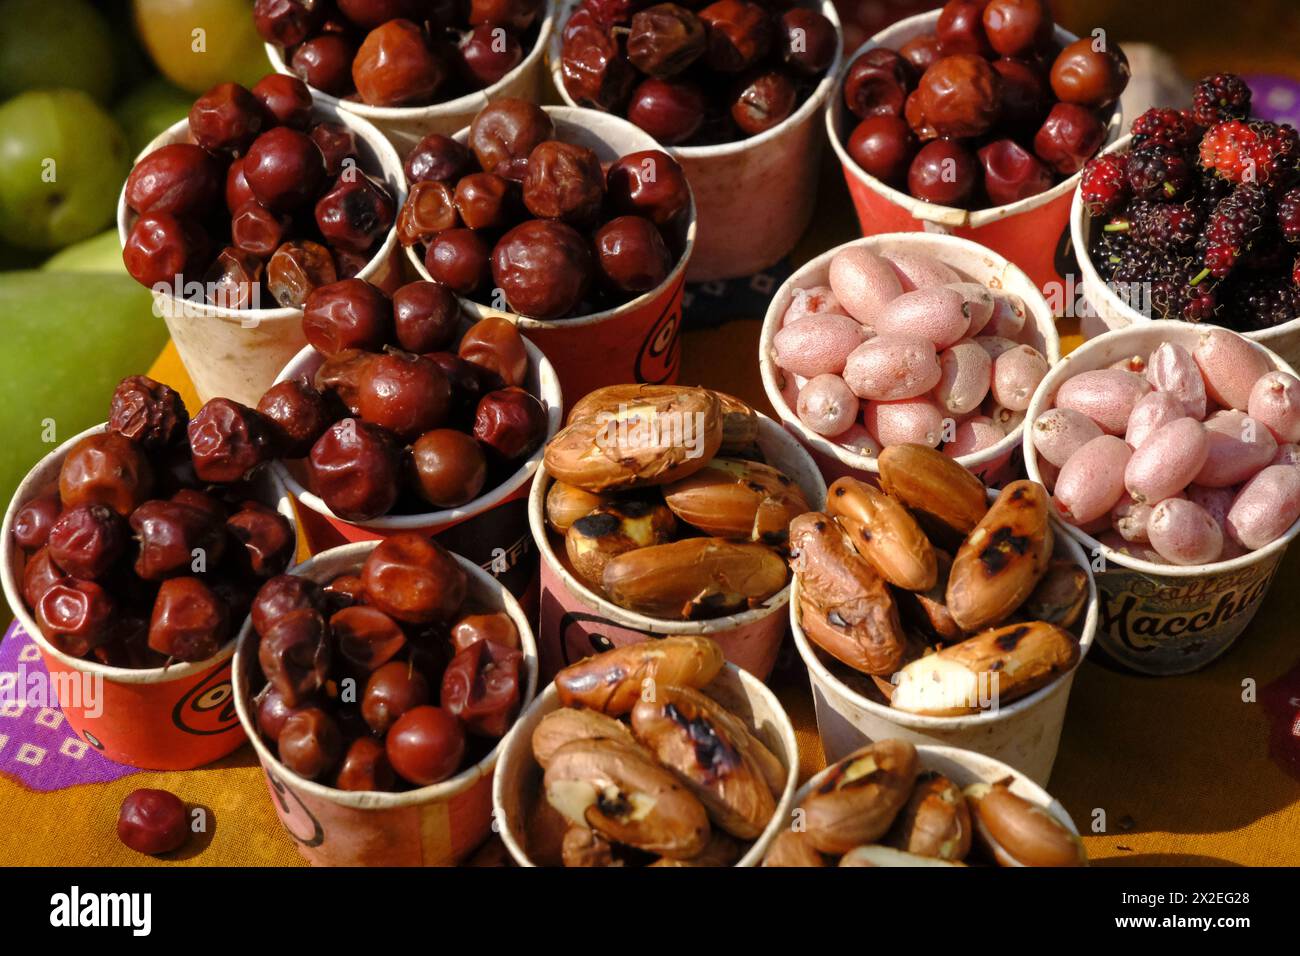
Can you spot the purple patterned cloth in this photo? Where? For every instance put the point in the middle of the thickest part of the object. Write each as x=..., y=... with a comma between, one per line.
x=37, y=747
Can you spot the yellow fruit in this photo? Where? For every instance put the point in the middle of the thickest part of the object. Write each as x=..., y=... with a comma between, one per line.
x=199, y=43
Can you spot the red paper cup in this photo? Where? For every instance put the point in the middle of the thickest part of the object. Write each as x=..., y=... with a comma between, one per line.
x=236, y=353
x=438, y=825
x=639, y=341
x=995, y=465
x=492, y=530
x=1033, y=233
x=405, y=126
x=755, y=196
x=161, y=718
x=576, y=622
x=1115, y=313
x=518, y=778
x=1162, y=619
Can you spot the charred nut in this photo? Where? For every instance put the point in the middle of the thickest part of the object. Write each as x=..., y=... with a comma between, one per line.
x=992, y=668
x=884, y=533
x=745, y=500
x=567, y=503
x=613, y=529
x=614, y=681
x=694, y=578
x=1019, y=833
x=612, y=397
x=844, y=606
x=860, y=796
x=657, y=439
x=721, y=850
x=1001, y=561
x=1060, y=595
x=936, y=820
x=567, y=724
x=683, y=730
x=626, y=797
x=739, y=425
x=739, y=420
x=583, y=847
x=877, y=855
x=793, y=848
x=930, y=482
x=927, y=610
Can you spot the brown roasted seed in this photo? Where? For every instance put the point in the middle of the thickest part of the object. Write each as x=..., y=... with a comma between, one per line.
x=884, y=533
x=927, y=611
x=1020, y=833
x=565, y=504
x=860, y=796
x=1059, y=598
x=614, y=681
x=742, y=500
x=567, y=724
x=613, y=529
x=793, y=848
x=694, y=578
x=930, y=482
x=936, y=820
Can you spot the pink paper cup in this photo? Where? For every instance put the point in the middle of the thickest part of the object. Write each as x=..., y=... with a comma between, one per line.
x=162, y=718
x=438, y=825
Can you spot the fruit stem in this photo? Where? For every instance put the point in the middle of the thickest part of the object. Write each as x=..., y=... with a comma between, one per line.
x=1199, y=276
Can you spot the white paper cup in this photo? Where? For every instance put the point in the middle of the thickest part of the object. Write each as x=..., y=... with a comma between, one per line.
x=1024, y=733
x=1032, y=233
x=995, y=464
x=492, y=530
x=638, y=341
x=438, y=825
x=236, y=353
x=519, y=778
x=576, y=622
x=158, y=718
x=405, y=126
x=1115, y=313
x=966, y=767
x=1162, y=619
x=755, y=196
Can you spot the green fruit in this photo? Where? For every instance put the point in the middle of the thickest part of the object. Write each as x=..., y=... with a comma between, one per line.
x=48, y=43
x=68, y=339
x=101, y=253
x=62, y=164
x=148, y=110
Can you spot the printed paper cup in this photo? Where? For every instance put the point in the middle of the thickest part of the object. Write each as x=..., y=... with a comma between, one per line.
x=965, y=767
x=160, y=718
x=1115, y=313
x=236, y=353
x=438, y=825
x=1162, y=619
x=994, y=465
x=639, y=341
x=519, y=778
x=405, y=126
x=492, y=530
x=1024, y=733
x=1033, y=233
x=576, y=622
x=755, y=196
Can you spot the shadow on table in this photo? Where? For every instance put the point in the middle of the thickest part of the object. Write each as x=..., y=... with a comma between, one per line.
x=1163, y=859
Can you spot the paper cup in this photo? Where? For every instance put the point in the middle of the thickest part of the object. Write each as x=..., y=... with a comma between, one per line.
x=1033, y=233
x=576, y=622
x=160, y=718
x=236, y=353
x=1024, y=733
x=1162, y=619
x=492, y=530
x=965, y=767
x=755, y=196
x=1115, y=313
x=438, y=825
x=519, y=778
x=994, y=465
x=639, y=341
x=405, y=126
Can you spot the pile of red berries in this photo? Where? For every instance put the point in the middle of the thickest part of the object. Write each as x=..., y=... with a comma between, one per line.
x=1202, y=214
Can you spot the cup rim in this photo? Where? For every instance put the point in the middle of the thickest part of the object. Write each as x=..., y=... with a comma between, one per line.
x=322, y=111
x=675, y=278
x=815, y=101
x=821, y=673
x=1080, y=233
x=466, y=101
x=1046, y=392
x=548, y=393
x=920, y=208
x=354, y=554
x=547, y=701
x=36, y=482
x=968, y=759
x=930, y=244
x=663, y=626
